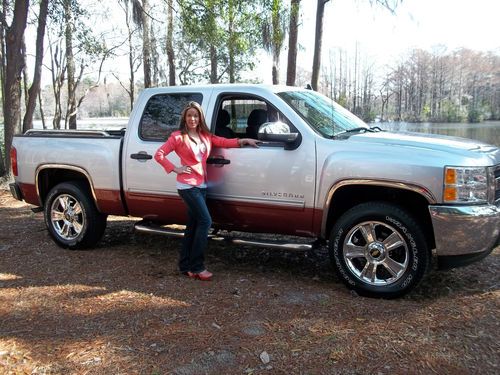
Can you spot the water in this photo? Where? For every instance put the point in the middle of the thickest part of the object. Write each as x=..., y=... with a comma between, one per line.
x=487, y=131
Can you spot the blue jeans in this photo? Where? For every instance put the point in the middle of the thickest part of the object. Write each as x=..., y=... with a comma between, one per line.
x=192, y=253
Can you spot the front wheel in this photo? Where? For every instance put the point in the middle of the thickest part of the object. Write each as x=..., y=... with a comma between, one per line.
x=71, y=216
x=378, y=250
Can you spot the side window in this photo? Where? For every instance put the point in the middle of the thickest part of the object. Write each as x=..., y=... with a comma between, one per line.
x=241, y=117
x=162, y=115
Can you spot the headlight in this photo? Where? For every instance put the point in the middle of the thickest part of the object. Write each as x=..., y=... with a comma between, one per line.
x=465, y=185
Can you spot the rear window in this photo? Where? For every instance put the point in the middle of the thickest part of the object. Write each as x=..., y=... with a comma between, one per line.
x=162, y=115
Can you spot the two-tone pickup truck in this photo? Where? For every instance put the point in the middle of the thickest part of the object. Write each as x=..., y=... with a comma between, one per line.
x=385, y=203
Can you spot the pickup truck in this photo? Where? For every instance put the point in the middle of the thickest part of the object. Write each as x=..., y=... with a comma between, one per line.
x=387, y=205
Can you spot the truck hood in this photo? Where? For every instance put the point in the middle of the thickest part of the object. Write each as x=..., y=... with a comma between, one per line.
x=448, y=144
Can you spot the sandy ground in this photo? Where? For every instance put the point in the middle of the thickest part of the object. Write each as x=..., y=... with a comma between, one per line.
x=123, y=309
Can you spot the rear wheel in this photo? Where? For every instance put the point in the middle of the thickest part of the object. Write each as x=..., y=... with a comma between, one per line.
x=379, y=250
x=71, y=216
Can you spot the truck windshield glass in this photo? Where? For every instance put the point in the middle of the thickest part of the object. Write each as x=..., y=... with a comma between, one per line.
x=323, y=114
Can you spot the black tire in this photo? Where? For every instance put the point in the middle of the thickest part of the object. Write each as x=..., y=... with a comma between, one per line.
x=71, y=216
x=378, y=250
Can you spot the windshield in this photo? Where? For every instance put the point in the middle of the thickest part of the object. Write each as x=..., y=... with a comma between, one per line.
x=322, y=113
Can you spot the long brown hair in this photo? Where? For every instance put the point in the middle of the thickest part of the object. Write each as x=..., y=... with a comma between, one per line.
x=202, y=126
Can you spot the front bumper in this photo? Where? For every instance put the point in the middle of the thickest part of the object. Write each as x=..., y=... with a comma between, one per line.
x=465, y=234
x=16, y=191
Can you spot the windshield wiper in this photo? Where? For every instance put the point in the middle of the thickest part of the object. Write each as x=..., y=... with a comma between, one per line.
x=358, y=129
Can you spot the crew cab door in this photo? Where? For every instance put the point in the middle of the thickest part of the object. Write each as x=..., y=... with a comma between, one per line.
x=266, y=189
x=149, y=191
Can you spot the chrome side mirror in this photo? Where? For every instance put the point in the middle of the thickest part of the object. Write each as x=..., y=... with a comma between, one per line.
x=276, y=132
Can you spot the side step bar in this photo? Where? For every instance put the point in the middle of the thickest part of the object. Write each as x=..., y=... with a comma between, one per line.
x=156, y=229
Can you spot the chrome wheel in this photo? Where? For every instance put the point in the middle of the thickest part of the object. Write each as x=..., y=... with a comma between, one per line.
x=66, y=217
x=376, y=253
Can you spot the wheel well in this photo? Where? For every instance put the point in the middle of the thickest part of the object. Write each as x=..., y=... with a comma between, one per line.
x=50, y=177
x=347, y=197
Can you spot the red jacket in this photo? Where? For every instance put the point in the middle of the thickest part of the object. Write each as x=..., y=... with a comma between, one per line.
x=182, y=147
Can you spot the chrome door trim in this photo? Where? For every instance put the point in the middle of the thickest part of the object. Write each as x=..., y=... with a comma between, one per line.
x=245, y=199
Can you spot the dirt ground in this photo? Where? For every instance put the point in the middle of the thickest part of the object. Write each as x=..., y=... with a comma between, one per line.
x=123, y=309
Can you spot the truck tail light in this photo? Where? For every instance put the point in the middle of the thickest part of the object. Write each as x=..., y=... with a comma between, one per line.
x=13, y=161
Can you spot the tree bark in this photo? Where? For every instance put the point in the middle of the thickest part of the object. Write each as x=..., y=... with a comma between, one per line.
x=170, y=47
x=292, y=43
x=146, y=44
x=35, y=86
x=14, y=62
x=70, y=62
x=317, y=43
x=231, y=46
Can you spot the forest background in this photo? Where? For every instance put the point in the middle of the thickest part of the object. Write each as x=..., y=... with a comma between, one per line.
x=63, y=60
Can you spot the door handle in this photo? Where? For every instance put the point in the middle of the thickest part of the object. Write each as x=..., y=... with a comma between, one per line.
x=141, y=155
x=218, y=160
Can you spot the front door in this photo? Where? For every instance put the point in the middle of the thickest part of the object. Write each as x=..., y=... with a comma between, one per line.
x=266, y=189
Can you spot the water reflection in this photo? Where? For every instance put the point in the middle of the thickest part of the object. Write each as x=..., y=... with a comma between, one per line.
x=488, y=131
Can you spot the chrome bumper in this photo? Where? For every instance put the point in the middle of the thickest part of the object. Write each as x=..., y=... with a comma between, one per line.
x=463, y=230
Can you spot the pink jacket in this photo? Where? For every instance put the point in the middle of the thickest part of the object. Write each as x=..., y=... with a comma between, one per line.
x=182, y=147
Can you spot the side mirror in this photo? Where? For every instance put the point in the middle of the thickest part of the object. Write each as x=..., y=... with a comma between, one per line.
x=276, y=132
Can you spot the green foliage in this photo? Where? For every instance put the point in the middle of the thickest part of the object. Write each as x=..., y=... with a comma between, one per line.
x=452, y=112
x=227, y=28
x=474, y=115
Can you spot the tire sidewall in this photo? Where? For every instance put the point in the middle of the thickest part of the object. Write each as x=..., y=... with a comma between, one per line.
x=406, y=227
x=75, y=191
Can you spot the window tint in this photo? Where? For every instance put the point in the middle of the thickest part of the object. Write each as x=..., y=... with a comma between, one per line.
x=162, y=115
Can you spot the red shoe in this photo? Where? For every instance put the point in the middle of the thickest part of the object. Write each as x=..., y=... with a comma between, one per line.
x=203, y=275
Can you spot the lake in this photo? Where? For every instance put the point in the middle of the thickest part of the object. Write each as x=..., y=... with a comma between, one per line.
x=487, y=131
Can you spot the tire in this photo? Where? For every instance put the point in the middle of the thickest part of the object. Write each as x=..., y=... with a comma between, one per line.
x=378, y=250
x=72, y=218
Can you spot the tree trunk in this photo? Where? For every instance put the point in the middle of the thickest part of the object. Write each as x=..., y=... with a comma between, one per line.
x=232, y=69
x=317, y=43
x=35, y=86
x=70, y=62
x=170, y=47
x=291, y=71
x=2, y=163
x=213, y=65
x=14, y=61
x=146, y=44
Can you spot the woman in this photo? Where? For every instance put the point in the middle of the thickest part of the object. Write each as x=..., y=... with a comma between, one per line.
x=193, y=143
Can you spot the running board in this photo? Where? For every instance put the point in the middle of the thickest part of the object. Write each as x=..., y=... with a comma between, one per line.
x=151, y=228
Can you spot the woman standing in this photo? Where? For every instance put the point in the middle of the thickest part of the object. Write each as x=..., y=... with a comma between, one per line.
x=193, y=143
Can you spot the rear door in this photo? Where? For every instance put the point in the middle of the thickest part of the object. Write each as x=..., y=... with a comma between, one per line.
x=149, y=191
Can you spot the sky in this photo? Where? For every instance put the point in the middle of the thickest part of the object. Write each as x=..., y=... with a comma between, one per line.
x=381, y=36
x=417, y=24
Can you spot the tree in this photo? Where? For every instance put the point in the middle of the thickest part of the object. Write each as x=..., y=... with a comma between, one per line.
x=34, y=90
x=292, y=42
x=134, y=60
x=170, y=46
x=320, y=10
x=12, y=67
x=318, y=36
x=273, y=33
x=218, y=39
x=70, y=63
x=141, y=18
x=74, y=48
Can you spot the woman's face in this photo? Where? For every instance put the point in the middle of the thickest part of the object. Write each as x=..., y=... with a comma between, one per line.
x=192, y=119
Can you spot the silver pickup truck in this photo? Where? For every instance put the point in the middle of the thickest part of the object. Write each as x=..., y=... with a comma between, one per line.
x=385, y=203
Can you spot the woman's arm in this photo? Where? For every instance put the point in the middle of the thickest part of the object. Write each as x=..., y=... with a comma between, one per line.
x=248, y=141
x=163, y=151
x=233, y=142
